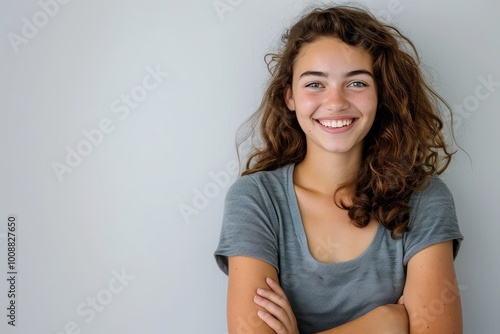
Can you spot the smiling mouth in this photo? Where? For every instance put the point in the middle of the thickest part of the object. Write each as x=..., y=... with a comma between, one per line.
x=336, y=123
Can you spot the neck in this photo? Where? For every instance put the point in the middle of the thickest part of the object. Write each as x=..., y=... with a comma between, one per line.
x=325, y=173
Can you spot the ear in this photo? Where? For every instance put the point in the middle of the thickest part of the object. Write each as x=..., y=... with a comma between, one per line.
x=289, y=101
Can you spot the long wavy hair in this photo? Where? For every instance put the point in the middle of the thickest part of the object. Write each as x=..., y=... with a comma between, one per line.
x=405, y=145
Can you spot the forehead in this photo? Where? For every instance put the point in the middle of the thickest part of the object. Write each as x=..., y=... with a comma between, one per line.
x=332, y=52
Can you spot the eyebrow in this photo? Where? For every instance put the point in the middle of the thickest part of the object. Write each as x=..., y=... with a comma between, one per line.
x=325, y=74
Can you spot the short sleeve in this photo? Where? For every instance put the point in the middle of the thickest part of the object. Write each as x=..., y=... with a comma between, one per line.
x=249, y=225
x=433, y=220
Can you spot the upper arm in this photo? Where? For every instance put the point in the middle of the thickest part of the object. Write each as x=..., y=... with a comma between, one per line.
x=431, y=294
x=245, y=275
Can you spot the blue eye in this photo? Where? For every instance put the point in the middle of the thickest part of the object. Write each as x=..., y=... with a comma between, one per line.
x=314, y=85
x=358, y=84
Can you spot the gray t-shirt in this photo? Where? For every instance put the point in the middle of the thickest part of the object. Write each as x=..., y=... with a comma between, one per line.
x=262, y=220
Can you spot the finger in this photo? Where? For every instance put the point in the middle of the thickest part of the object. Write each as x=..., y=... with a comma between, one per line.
x=272, y=322
x=275, y=287
x=280, y=298
x=274, y=310
x=273, y=296
x=277, y=300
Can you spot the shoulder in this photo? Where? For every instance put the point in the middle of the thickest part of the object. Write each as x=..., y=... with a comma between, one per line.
x=263, y=183
x=433, y=218
x=435, y=193
x=434, y=187
x=254, y=209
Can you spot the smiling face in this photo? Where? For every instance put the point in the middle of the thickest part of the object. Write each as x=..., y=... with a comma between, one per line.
x=334, y=95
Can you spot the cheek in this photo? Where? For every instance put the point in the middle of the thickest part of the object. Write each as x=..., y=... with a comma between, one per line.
x=305, y=107
x=304, y=122
x=306, y=100
x=369, y=107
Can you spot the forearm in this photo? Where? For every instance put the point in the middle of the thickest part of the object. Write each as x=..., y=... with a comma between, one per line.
x=384, y=319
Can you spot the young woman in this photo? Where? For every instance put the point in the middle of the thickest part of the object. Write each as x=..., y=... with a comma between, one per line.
x=339, y=223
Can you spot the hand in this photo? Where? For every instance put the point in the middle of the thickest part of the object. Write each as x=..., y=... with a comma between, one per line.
x=278, y=313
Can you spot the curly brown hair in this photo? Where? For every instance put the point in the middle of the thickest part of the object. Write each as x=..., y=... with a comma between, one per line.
x=405, y=145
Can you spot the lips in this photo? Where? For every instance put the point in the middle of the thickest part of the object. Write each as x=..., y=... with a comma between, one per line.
x=339, y=123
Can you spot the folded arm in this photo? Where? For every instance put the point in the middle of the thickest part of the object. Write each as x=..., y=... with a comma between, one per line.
x=247, y=275
x=431, y=299
x=431, y=294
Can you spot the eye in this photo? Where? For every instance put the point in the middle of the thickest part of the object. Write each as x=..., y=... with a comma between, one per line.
x=314, y=85
x=358, y=84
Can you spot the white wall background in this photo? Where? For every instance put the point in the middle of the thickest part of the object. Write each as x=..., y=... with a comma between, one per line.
x=117, y=212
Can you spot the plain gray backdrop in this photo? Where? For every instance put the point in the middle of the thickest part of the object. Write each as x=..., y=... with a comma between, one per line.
x=117, y=134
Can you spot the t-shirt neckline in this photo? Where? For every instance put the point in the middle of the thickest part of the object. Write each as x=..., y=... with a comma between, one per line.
x=301, y=234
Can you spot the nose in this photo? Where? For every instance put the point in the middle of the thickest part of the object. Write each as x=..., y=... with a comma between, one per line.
x=335, y=100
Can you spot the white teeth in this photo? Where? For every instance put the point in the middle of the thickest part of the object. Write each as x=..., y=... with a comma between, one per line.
x=336, y=123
